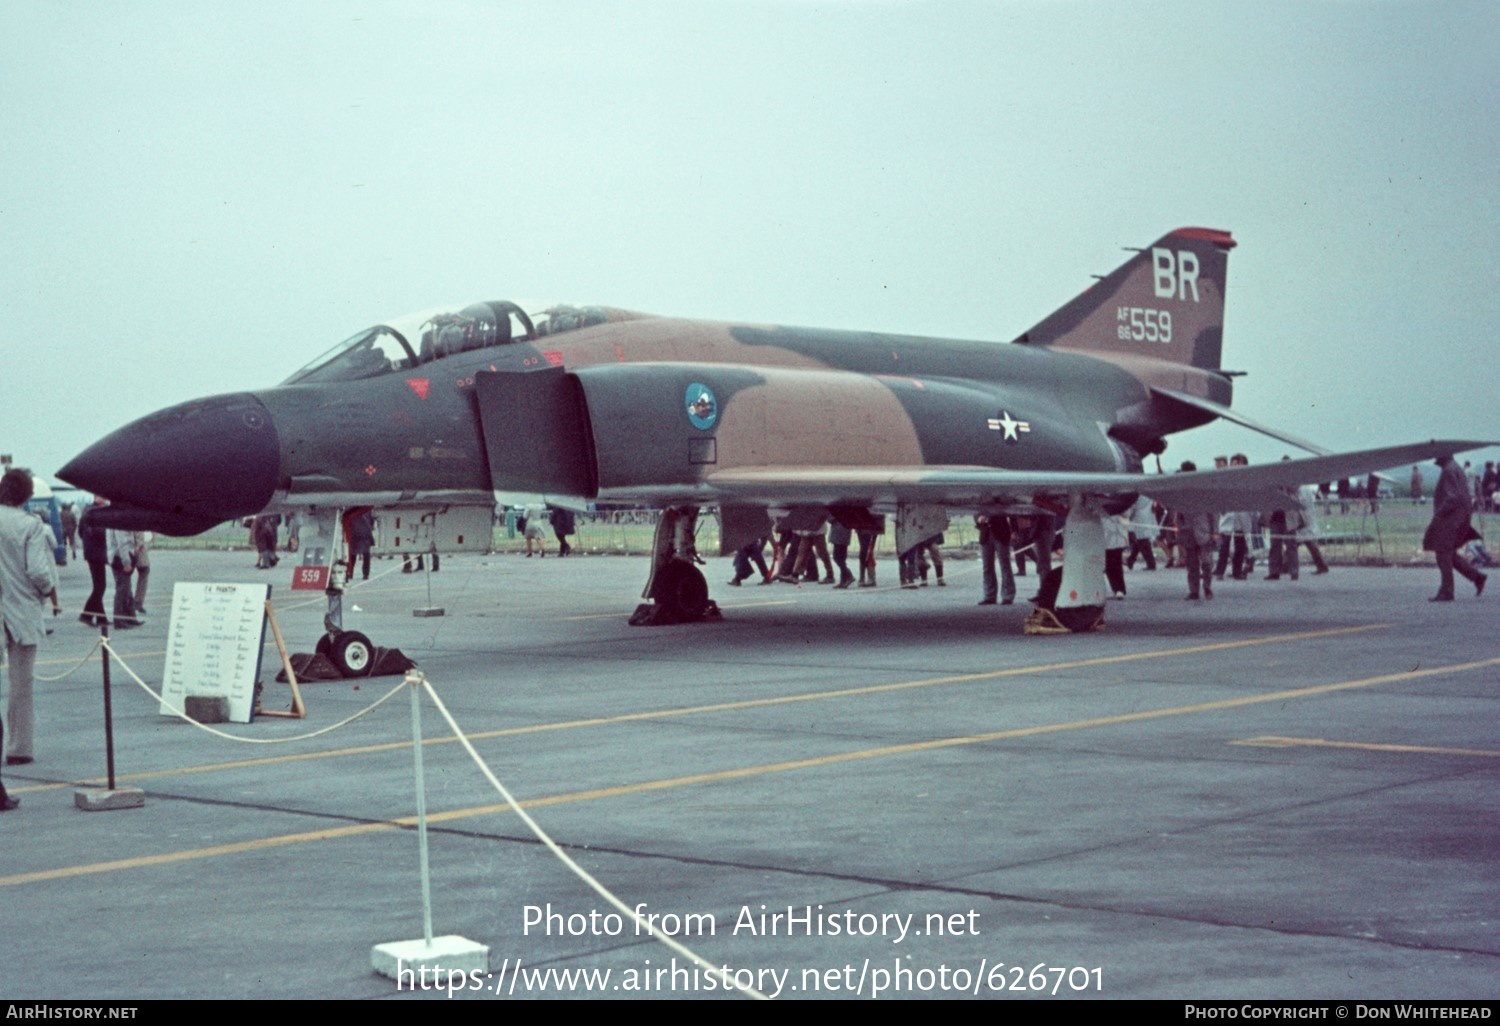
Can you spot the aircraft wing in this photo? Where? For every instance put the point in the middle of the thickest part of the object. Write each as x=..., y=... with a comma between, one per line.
x=1234, y=488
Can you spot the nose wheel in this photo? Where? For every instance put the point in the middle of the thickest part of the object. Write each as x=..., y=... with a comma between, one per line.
x=351, y=653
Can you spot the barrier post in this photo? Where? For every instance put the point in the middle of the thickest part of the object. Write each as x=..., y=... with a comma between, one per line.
x=97, y=799
x=109, y=718
x=410, y=963
x=416, y=746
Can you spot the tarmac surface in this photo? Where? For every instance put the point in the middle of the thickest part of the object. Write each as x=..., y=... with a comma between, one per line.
x=1289, y=792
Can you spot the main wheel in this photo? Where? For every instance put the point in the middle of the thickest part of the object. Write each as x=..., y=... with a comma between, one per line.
x=1078, y=618
x=352, y=654
x=681, y=591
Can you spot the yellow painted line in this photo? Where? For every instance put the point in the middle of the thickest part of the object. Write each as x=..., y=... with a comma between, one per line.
x=750, y=703
x=1363, y=746
x=215, y=767
x=383, y=590
x=758, y=605
x=624, y=615
x=167, y=858
x=743, y=772
x=73, y=659
x=811, y=589
x=596, y=616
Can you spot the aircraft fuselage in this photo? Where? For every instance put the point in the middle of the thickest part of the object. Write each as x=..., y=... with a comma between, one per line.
x=784, y=396
x=594, y=404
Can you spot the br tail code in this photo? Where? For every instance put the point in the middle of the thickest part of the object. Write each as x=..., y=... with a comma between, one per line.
x=1175, y=272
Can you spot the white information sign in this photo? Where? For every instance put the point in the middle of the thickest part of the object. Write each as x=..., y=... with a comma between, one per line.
x=214, y=645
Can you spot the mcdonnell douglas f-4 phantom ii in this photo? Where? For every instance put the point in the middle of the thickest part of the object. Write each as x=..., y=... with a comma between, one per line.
x=463, y=408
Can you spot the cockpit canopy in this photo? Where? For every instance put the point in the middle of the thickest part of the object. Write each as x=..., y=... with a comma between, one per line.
x=408, y=342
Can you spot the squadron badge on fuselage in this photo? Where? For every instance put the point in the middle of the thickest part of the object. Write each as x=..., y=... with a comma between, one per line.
x=702, y=407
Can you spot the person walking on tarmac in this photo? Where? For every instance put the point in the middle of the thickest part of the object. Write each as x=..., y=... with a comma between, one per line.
x=1452, y=508
x=1197, y=536
x=95, y=541
x=359, y=529
x=563, y=525
x=28, y=576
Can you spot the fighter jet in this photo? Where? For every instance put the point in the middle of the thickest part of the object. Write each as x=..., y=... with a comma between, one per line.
x=456, y=409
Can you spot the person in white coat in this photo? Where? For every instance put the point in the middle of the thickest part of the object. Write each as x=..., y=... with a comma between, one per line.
x=28, y=577
x=1307, y=533
x=1116, y=539
x=1143, y=530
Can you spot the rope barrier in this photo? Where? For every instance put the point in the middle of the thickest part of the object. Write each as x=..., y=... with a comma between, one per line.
x=67, y=673
x=249, y=740
x=413, y=678
x=725, y=977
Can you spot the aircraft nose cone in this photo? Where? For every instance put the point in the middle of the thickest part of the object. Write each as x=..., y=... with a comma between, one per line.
x=205, y=461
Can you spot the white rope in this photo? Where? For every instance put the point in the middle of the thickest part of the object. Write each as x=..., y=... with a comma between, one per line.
x=348, y=586
x=249, y=740
x=725, y=976
x=723, y=973
x=67, y=673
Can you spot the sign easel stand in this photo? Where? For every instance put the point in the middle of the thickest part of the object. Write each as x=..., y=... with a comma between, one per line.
x=298, y=711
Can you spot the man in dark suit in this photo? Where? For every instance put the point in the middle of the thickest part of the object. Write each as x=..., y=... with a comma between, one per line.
x=994, y=547
x=1452, y=506
x=1197, y=537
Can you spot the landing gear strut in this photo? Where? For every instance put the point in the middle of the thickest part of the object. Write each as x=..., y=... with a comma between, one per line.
x=676, y=587
x=350, y=652
x=1071, y=600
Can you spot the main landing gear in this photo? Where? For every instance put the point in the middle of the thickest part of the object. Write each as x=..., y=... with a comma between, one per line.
x=1071, y=600
x=676, y=587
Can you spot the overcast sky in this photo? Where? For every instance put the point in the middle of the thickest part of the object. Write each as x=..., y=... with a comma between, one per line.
x=199, y=198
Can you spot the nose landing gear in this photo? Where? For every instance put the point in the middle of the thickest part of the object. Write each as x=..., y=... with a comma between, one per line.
x=351, y=653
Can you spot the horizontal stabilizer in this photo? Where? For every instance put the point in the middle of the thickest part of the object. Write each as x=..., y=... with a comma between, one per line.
x=1248, y=488
x=1224, y=412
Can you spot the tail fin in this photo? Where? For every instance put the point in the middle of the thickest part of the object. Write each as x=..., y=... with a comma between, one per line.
x=1166, y=302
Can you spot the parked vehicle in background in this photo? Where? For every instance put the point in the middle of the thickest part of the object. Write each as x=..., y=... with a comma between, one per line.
x=47, y=505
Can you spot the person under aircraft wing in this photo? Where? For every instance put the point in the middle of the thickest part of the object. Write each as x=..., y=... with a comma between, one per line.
x=1255, y=487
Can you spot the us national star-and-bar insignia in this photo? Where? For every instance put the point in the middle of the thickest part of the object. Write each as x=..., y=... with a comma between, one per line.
x=1010, y=428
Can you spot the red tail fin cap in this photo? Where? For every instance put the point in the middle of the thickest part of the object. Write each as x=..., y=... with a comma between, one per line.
x=1214, y=235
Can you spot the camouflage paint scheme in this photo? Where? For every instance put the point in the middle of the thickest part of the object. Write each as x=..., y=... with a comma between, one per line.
x=596, y=404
